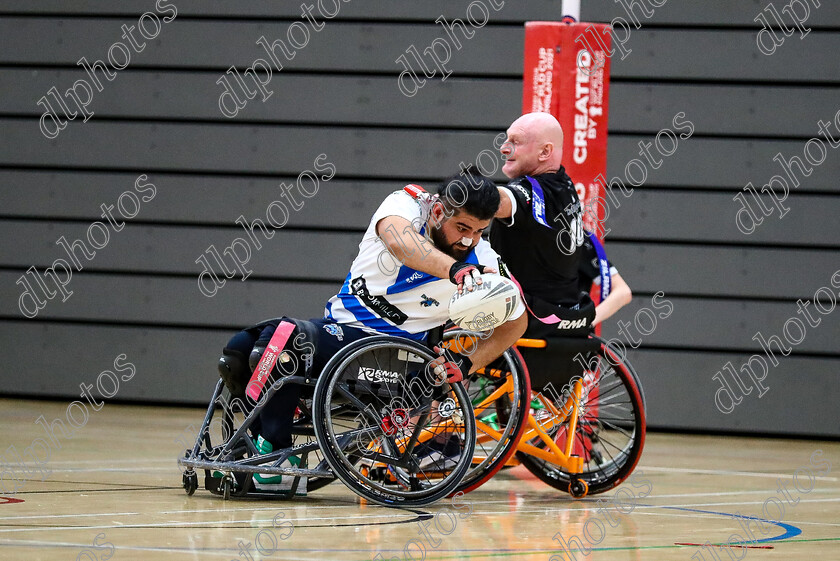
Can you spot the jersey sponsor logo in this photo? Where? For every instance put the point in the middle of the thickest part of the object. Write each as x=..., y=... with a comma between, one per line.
x=522, y=190
x=428, y=301
x=334, y=330
x=575, y=324
x=358, y=287
x=370, y=374
x=603, y=265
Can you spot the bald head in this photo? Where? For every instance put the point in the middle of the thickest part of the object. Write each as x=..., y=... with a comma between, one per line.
x=534, y=145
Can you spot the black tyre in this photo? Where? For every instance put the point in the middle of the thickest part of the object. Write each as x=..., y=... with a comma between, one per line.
x=386, y=429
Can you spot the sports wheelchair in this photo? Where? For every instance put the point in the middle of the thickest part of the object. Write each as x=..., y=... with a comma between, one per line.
x=375, y=411
x=584, y=438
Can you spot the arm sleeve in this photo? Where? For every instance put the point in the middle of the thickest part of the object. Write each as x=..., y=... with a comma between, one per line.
x=513, y=206
x=520, y=199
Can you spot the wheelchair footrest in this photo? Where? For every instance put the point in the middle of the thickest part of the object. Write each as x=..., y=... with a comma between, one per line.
x=236, y=467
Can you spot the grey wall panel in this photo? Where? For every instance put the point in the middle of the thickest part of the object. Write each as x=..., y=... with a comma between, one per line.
x=714, y=324
x=369, y=100
x=652, y=215
x=726, y=55
x=714, y=12
x=172, y=365
x=221, y=44
x=253, y=149
x=729, y=55
x=485, y=103
x=372, y=10
x=192, y=199
x=369, y=151
x=800, y=397
x=762, y=111
x=718, y=163
x=173, y=301
x=719, y=12
x=722, y=271
x=170, y=249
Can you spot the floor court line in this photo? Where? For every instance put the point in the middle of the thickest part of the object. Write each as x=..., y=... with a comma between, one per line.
x=726, y=472
x=695, y=517
x=210, y=523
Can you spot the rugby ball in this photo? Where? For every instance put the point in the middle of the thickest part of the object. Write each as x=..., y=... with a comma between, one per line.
x=489, y=304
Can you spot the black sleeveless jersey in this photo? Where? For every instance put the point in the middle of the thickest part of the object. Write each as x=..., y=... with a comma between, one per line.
x=545, y=260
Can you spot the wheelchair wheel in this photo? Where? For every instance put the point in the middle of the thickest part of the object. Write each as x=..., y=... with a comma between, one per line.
x=384, y=427
x=610, y=434
x=500, y=396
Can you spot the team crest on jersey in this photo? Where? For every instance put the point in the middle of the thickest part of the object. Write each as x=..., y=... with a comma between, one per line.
x=334, y=330
x=427, y=302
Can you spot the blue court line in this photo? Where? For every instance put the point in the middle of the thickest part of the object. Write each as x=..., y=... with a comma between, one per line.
x=791, y=531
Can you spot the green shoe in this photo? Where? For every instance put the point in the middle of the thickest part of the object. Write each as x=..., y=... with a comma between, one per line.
x=278, y=483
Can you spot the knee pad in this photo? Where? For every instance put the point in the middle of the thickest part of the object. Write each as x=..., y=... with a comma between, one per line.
x=234, y=370
x=255, y=356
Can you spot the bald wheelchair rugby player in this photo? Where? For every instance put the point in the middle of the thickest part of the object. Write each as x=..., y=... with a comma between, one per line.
x=539, y=233
x=418, y=249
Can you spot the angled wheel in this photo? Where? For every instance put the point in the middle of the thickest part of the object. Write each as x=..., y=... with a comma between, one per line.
x=190, y=482
x=388, y=428
x=500, y=395
x=610, y=432
x=227, y=486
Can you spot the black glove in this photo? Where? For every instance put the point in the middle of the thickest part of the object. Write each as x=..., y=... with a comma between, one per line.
x=465, y=274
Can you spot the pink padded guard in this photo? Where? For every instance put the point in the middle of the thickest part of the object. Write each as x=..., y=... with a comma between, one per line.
x=269, y=359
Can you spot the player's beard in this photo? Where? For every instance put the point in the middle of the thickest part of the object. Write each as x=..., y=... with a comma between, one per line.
x=450, y=249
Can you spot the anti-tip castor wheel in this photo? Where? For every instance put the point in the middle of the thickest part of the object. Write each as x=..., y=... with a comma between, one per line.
x=578, y=488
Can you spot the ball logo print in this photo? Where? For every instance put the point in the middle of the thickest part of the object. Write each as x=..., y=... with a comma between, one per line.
x=490, y=304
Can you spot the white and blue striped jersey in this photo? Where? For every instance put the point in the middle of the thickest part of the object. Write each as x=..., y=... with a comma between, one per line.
x=382, y=295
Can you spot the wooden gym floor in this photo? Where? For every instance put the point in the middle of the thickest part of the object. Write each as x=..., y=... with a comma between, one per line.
x=112, y=491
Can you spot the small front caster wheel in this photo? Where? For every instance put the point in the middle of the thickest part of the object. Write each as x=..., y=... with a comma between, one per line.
x=578, y=488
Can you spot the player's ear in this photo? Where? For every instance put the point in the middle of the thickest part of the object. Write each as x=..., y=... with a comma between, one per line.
x=546, y=151
x=438, y=214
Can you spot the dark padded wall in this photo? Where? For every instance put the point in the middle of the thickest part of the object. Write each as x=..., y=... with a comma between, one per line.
x=159, y=118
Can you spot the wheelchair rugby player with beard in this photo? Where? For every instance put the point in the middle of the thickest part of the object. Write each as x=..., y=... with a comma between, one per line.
x=417, y=251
